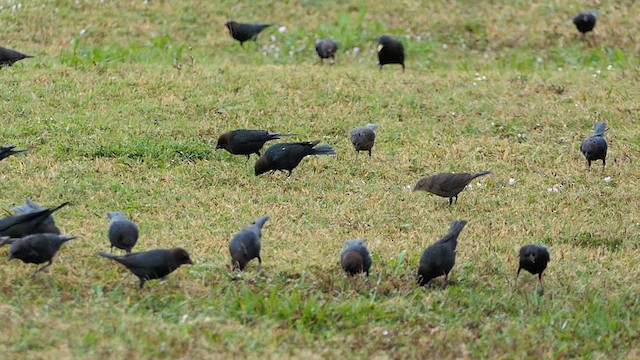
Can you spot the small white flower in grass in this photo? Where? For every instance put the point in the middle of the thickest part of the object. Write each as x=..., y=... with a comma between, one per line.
x=538, y=59
x=607, y=179
x=264, y=53
x=418, y=38
x=407, y=188
x=512, y=181
x=453, y=113
x=445, y=46
x=521, y=136
x=83, y=31
x=486, y=55
x=479, y=185
x=291, y=53
x=470, y=187
x=559, y=69
x=610, y=67
x=474, y=83
x=273, y=38
x=184, y=318
x=282, y=29
x=385, y=332
x=356, y=50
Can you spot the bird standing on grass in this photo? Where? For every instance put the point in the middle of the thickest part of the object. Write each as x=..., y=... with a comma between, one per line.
x=245, y=32
x=595, y=146
x=18, y=226
x=363, y=138
x=438, y=259
x=8, y=56
x=246, y=245
x=36, y=249
x=287, y=156
x=355, y=258
x=123, y=233
x=390, y=51
x=447, y=184
x=7, y=150
x=48, y=225
x=327, y=49
x=534, y=259
x=246, y=142
x=585, y=21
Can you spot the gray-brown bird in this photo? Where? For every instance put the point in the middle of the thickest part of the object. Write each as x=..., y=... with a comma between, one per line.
x=447, y=184
x=438, y=259
x=8, y=56
x=123, y=233
x=36, y=248
x=7, y=150
x=327, y=49
x=533, y=258
x=595, y=146
x=363, y=138
x=47, y=226
x=245, y=32
x=355, y=257
x=246, y=244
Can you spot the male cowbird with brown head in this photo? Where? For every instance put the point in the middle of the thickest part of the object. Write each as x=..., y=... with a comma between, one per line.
x=447, y=184
x=7, y=150
x=534, y=259
x=390, y=51
x=8, y=56
x=37, y=248
x=327, y=49
x=438, y=259
x=585, y=21
x=123, y=233
x=355, y=258
x=595, y=146
x=246, y=244
x=246, y=142
x=18, y=226
x=245, y=32
x=153, y=264
x=48, y=226
x=287, y=156
x=363, y=138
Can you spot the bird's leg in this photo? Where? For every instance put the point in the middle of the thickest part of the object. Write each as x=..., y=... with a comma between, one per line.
x=369, y=154
x=589, y=164
x=141, y=279
x=41, y=269
x=541, y=291
x=403, y=68
x=450, y=200
x=456, y=198
x=446, y=281
x=604, y=163
x=289, y=173
x=247, y=158
x=259, y=264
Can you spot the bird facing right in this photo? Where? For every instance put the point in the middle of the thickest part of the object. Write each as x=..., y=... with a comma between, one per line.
x=246, y=244
x=390, y=51
x=363, y=138
x=447, y=184
x=585, y=21
x=438, y=259
x=123, y=233
x=245, y=32
x=595, y=146
x=534, y=259
x=8, y=57
x=355, y=257
x=48, y=226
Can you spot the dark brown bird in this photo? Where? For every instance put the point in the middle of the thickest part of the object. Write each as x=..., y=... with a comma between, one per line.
x=595, y=146
x=585, y=21
x=123, y=233
x=48, y=226
x=363, y=138
x=327, y=49
x=245, y=32
x=37, y=248
x=153, y=264
x=534, y=259
x=246, y=244
x=8, y=56
x=246, y=142
x=438, y=259
x=390, y=51
x=355, y=257
x=286, y=156
x=18, y=226
x=7, y=150
x=447, y=184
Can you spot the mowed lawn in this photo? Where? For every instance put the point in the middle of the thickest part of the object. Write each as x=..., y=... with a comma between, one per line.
x=122, y=106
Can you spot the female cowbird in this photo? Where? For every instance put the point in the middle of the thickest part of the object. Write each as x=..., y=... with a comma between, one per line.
x=286, y=156
x=123, y=233
x=245, y=245
x=595, y=146
x=48, y=226
x=326, y=49
x=363, y=138
x=245, y=32
x=447, y=184
x=246, y=142
x=7, y=150
x=37, y=248
x=438, y=258
x=390, y=51
x=355, y=257
x=18, y=226
x=534, y=259
x=153, y=264
x=585, y=21
x=8, y=56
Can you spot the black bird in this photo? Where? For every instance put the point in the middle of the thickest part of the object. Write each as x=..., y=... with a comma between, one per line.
x=326, y=49
x=153, y=264
x=363, y=138
x=123, y=233
x=438, y=258
x=390, y=51
x=585, y=21
x=47, y=226
x=246, y=142
x=534, y=259
x=355, y=258
x=7, y=150
x=8, y=56
x=245, y=245
x=595, y=146
x=286, y=156
x=36, y=248
x=245, y=32
x=18, y=226
x=447, y=184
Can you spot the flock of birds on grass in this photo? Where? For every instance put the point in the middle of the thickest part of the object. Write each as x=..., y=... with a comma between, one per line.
x=34, y=237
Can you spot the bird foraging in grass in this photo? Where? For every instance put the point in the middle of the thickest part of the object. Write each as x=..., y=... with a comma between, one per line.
x=363, y=138
x=36, y=248
x=7, y=150
x=8, y=57
x=48, y=225
x=35, y=222
x=355, y=257
x=390, y=51
x=595, y=146
x=287, y=156
x=447, y=184
x=246, y=245
x=123, y=233
x=534, y=259
x=438, y=259
x=585, y=21
x=245, y=32
x=246, y=142
x=326, y=49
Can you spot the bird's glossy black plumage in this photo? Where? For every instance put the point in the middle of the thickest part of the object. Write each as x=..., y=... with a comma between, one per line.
x=390, y=51
x=287, y=156
x=245, y=32
x=438, y=259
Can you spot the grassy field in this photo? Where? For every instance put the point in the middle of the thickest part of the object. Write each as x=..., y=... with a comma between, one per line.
x=124, y=102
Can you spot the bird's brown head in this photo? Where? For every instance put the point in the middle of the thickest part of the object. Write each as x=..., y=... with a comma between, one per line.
x=424, y=184
x=230, y=25
x=224, y=141
x=262, y=165
x=181, y=256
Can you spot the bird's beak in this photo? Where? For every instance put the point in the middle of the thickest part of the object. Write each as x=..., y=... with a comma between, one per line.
x=380, y=47
x=189, y=262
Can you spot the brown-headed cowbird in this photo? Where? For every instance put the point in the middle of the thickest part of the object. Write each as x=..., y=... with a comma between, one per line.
x=534, y=259
x=363, y=138
x=438, y=259
x=245, y=32
x=326, y=49
x=390, y=51
x=246, y=244
x=123, y=233
x=48, y=226
x=595, y=146
x=355, y=258
x=286, y=156
x=585, y=21
x=8, y=56
x=153, y=264
x=246, y=142
x=37, y=248
x=18, y=226
x=7, y=150
x=447, y=184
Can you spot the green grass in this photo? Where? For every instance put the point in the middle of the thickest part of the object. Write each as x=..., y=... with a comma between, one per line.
x=122, y=107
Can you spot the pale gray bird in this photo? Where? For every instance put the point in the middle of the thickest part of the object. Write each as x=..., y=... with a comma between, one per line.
x=447, y=184
x=595, y=146
x=123, y=233
x=47, y=226
x=438, y=259
x=246, y=245
x=363, y=138
x=355, y=257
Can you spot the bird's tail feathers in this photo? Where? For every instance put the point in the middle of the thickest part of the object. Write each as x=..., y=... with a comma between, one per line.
x=599, y=128
x=457, y=226
x=107, y=255
x=482, y=173
x=323, y=150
